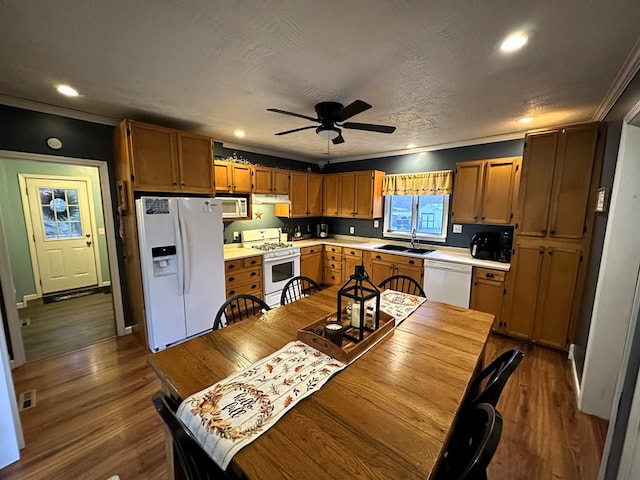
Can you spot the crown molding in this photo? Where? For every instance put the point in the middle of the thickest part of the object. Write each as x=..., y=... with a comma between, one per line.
x=264, y=151
x=55, y=110
x=443, y=146
x=626, y=73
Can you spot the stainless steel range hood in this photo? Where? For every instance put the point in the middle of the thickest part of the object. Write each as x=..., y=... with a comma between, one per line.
x=268, y=199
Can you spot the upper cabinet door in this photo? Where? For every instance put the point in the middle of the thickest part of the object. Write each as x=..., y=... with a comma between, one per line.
x=195, y=155
x=536, y=183
x=330, y=197
x=347, y=188
x=467, y=192
x=364, y=195
x=223, y=174
x=570, y=194
x=314, y=195
x=298, y=194
x=242, y=178
x=498, y=190
x=153, y=157
x=280, y=181
x=262, y=180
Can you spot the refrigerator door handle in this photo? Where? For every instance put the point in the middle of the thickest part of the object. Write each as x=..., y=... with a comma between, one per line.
x=176, y=228
x=186, y=260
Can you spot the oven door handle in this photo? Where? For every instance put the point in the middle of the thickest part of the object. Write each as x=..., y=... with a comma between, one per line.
x=279, y=259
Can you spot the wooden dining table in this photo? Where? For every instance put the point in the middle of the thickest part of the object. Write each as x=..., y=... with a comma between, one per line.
x=388, y=415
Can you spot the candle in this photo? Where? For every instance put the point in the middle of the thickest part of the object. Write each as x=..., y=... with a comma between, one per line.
x=355, y=315
x=333, y=332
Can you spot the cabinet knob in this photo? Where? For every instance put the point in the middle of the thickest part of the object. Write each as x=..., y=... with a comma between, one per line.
x=253, y=262
x=411, y=262
x=544, y=230
x=232, y=292
x=232, y=279
x=378, y=257
x=550, y=252
x=231, y=266
x=253, y=274
x=475, y=218
x=254, y=286
x=552, y=232
x=482, y=218
x=175, y=183
x=183, y=184
x=489, y=275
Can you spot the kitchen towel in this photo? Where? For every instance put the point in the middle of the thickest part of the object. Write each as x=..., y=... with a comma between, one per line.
x=235, y=411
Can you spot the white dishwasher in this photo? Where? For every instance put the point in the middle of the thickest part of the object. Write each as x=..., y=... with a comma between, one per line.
x=447, y=282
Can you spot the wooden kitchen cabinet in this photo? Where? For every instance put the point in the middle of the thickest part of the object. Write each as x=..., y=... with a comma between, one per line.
x=483, y=191
x=381, y=266
x=244, y=275
x=332, y=261
x=487, y=293
x=360, y=194
x=305, y=193
x=556, y=179
x=330, y=195
x=167, y=160
x=541, y=295
x=268, y=180
x=311, y=264
x=231, y=177
x=351, y=258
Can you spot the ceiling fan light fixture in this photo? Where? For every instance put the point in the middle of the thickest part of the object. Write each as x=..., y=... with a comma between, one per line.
x=328, y=133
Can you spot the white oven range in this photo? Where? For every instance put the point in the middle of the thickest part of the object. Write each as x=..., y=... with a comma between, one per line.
x=280, y=261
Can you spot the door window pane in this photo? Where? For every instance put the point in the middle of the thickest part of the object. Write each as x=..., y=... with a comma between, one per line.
x=60, y=220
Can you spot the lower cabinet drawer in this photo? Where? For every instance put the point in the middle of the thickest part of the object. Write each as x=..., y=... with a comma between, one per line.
x=332, y=276
x=252, y=288
x=243, y=276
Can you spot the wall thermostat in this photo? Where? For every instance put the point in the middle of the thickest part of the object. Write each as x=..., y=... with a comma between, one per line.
x=54, y=143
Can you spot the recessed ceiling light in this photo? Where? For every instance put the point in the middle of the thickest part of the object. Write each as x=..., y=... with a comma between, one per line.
x=238, y=133
x=514, y=42
x=525, y=120
x=411, y=145
x=67, y=90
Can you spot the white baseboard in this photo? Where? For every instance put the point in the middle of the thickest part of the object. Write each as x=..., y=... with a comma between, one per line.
x=574, y=369
x=26, y=299
x=106, y=283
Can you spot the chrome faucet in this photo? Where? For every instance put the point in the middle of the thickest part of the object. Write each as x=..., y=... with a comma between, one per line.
x=413, y=238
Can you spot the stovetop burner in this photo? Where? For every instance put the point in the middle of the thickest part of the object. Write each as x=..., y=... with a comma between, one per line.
x=265, y=247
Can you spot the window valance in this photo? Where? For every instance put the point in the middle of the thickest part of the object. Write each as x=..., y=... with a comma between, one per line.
x=424, y=183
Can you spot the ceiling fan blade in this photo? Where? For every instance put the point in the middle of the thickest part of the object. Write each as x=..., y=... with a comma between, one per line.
x=293, y=114
x=296, y=130
x=354, y=108
x=339, y=139
x=370, y=127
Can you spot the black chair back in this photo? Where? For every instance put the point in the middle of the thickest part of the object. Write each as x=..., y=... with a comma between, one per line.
x=473, y=442
x=402, y=283
x=194, y=461
x=487, y=386
x=238, y=308
x=297, y=288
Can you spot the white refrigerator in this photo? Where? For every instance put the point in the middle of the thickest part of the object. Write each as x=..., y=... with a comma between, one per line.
x=182, y=260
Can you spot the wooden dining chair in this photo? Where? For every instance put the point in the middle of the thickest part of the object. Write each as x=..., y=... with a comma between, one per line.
x=196, y=464
x=473, y=442
x=402, y=283
x=487, y=386
x=297, y=288
x=239, y=307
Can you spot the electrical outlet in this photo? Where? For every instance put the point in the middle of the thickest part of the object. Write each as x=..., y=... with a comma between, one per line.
x=352, y=230
x=100, y=231
x=236, y=236
x=457, y=228
x=376, y=223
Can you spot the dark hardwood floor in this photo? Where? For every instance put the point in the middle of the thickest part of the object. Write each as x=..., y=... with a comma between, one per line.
x=60, y=327
x=94, y=418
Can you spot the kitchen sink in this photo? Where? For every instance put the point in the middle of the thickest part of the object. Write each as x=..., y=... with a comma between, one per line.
x=396, y=248
x=402, y=248
x=421, y=251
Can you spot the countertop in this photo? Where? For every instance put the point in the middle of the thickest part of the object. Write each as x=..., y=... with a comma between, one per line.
x=443, y=253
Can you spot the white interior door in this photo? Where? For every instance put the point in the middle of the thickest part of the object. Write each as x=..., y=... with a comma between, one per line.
x=63, y=237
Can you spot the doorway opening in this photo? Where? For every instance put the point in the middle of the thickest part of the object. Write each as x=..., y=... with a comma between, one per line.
x=59, y=237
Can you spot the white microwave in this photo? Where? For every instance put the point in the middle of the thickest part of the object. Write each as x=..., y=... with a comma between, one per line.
x=234, y=207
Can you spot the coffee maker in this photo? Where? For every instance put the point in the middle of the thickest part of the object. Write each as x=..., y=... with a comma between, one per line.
x=322, y=230
x=506, y=239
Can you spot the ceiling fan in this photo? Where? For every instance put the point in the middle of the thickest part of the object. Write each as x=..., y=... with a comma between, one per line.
x=329, y=114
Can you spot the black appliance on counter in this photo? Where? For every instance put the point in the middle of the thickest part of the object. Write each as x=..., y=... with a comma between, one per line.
x=506, y=240
x=322, y=230
x=485, y=245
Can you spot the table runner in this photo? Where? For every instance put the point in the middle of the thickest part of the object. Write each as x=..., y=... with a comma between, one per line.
x=235, y=411
x=399, y=304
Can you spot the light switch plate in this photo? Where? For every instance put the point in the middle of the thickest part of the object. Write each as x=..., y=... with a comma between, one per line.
x=101, y=231
x=457, y=228
x=352, y=230
x=236, y=236
x=376, y=224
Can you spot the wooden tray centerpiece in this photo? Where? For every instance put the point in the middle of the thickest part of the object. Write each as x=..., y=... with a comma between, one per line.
x=313, y=335
x=358, y=324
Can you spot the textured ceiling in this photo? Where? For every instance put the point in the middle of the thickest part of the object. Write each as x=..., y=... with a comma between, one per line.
x=431, y=68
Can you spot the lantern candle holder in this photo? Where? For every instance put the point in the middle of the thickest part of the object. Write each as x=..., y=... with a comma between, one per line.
x=359, y=293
